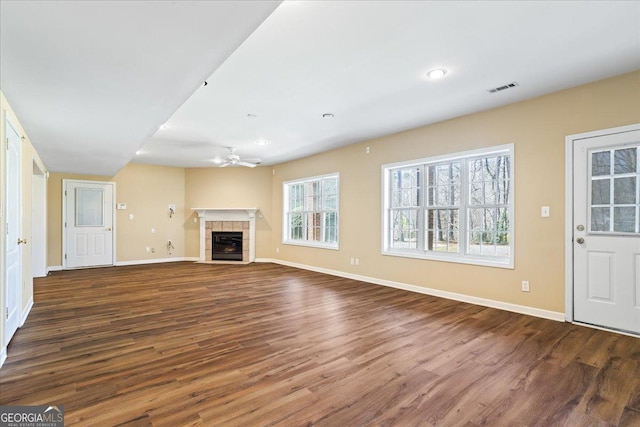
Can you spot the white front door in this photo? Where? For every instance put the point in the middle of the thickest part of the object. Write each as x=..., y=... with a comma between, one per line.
x=606, y=231
x=14, y=240
x=88, y=223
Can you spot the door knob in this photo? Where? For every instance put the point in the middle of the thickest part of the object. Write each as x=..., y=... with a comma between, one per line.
x=580, y=240
x=580, y=227
x=109, y=229
x=22, y=241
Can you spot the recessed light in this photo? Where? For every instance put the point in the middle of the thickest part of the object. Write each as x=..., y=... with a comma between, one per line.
x=252, y=116
x=138, y=152
x=438, y=73
x=163, y=126
x=262, y=142
x=327, y=116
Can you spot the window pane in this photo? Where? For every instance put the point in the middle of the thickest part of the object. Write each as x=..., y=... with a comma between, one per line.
x=490, y=190
x=295, y=224
x=601, y=163
x=625, y=161
x=624, y=191
x=600, y=219
x=89, y=207
x=404, y=229
x=600, y=192
x=475, y=192
x=624, y=219
x=442, y=230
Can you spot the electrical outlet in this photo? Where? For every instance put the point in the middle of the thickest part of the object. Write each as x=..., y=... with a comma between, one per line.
x=148, y=249
x=525, y=286
x=277, y=250
x=357, y=261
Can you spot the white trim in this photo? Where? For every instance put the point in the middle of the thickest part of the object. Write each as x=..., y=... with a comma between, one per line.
x=155, y=261
x=500, y=305
x=54, y=268
x=496, y=149
x=568, y=209
x=3, y=356
x=25, y=313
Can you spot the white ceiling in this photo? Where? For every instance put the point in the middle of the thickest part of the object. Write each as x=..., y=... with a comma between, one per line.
x=91, y=82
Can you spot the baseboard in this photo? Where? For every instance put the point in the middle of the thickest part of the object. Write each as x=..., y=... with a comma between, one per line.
x=25, y=313
x=3, y=356
x=54, y=268
x=155, y=261
x=515, y=308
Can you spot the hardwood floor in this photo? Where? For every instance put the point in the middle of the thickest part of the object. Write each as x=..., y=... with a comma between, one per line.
x=187, y=344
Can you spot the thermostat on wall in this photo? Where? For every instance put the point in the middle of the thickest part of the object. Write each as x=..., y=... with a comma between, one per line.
x=121, y=206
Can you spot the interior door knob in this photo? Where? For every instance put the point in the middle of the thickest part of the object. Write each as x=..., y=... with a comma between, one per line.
x=109, y=229
x=22, y=241
x=580, y=240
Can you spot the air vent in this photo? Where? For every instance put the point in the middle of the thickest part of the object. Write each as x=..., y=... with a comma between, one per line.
x=501, y=88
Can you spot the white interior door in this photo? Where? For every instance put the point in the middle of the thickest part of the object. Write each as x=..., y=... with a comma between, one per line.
x=88, y=223
x=14, y=240
x=606, y=243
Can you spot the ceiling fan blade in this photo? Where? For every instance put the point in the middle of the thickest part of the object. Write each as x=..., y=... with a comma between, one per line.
x=249, y=165
x=224, y=165
x=254, y=160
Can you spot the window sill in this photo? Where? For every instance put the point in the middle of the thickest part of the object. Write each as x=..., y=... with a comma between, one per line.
x=310, y=244
x=485, y=262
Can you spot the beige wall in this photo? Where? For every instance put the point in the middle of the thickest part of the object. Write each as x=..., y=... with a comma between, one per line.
x=29, y=157
x=230, y=188
x=147, y=191
x=537, y=128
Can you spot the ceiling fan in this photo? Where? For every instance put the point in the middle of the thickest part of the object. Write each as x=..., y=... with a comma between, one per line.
x=233, y=159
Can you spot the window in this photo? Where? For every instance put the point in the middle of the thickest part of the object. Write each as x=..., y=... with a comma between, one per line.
x=615, y=205
x=455, y=208
x=311, y=212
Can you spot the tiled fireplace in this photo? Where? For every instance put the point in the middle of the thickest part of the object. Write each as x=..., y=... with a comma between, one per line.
x=238, y=220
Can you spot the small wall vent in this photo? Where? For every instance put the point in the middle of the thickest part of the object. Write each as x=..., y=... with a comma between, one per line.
x=504, y=87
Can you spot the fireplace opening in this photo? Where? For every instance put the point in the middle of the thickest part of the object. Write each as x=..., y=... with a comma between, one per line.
x=226, y=245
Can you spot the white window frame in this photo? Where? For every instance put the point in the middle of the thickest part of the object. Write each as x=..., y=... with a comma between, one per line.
x=285, y=211
x=462, y=256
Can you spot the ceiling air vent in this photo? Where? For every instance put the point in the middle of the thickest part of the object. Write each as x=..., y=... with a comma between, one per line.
x=504, y=87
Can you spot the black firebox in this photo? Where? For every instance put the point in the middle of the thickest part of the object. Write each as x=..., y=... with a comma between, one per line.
x=226, y=245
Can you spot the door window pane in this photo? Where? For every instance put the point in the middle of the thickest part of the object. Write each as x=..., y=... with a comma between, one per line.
x=624, y=219
x=624, y=191
x=600, y=219
x=601, y=163
x=89, y=207
x=601, y=192
x=625, y=161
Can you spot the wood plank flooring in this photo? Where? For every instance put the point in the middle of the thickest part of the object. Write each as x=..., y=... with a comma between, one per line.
x=187, y=344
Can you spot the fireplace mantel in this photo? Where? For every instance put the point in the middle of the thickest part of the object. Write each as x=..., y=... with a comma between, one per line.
x=228, y=214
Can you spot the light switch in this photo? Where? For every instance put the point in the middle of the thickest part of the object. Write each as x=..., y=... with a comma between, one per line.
x=153, y=231
x=544, y=212
x=130, y=216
